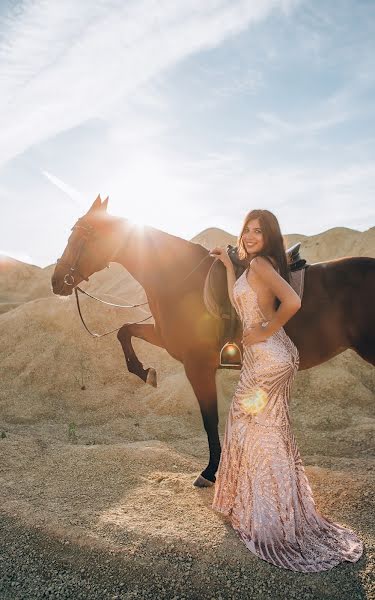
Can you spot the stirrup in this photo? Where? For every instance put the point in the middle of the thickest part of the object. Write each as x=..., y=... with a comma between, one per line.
x=230, y=356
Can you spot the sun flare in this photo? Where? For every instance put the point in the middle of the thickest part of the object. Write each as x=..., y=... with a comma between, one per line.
x=255, y=402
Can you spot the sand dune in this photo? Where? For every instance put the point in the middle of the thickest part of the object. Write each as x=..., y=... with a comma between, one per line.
x=47, y=358
x=334, y=243
x=20, y=282
x=209, y=238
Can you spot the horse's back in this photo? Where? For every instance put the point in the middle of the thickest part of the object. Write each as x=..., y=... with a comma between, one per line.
x=337, y=310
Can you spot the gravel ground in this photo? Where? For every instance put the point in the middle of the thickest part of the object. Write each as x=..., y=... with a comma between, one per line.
x=123, y=521
x=36, y=565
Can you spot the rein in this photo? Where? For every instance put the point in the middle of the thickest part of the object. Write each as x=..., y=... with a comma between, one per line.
x=69, y=280
x=99, y=335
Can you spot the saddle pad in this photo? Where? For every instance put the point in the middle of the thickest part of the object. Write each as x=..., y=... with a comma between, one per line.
x=297, y=281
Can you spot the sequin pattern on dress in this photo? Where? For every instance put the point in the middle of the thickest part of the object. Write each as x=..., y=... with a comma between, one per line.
x=261, y=483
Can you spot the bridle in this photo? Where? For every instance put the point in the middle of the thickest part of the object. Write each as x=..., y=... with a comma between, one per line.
x=69, y=277
x=69, y=280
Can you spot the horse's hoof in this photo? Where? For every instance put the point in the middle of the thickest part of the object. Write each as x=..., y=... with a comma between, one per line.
x=151, y=378
x=202, y=482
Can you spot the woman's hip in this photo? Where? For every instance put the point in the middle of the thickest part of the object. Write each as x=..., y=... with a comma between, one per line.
x=276, y=351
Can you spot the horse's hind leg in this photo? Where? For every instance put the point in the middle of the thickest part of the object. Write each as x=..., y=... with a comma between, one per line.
x=362, y=339
x=362, y=322
x=145, y=332
x=202, y=379
x=366, y=349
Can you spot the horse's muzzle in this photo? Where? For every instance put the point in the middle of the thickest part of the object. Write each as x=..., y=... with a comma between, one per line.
x=61, y=288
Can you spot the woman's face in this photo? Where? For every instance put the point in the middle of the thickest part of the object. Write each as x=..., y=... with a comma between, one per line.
x=252, y=237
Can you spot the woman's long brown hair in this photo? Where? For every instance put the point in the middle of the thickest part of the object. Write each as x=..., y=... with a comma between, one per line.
x=274, y=244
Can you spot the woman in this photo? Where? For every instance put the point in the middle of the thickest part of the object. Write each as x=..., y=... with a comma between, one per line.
x=261, y=483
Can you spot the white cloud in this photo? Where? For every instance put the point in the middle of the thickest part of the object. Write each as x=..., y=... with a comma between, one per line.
x=307, y=199
x=73, y=194
x=65, y=62
x=277, y=128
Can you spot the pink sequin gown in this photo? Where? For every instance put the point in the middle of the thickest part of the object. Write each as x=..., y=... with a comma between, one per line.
x=261, y=482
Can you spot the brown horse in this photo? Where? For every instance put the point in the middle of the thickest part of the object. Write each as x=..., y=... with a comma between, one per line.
x=336, y=314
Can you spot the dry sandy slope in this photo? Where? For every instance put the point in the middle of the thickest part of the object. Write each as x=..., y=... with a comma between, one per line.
x=111, y=466
x=333, y=243
x=47, y=358
x=20, y=282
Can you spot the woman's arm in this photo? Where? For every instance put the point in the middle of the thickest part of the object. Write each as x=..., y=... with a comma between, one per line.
x=222, y=255
x=290, y=302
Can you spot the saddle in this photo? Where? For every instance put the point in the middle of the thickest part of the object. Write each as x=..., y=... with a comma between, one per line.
x=218, y=304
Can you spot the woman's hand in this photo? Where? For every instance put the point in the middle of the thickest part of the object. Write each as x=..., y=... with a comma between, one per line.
x=254, y=335
x=221, y=253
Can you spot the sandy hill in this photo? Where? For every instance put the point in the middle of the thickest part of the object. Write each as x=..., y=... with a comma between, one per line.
x=209, y=238
x=21, y=282
x=330, y=244
x=115, y=285
x=335, y=243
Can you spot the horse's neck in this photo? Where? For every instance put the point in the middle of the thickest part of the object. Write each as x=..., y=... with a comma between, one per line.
x=152, y=256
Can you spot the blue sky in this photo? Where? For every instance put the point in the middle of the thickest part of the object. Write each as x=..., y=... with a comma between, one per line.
x=186, y=113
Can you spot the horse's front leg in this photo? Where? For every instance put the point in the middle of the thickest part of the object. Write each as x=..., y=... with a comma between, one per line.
x=145, y=332
x=202, y=379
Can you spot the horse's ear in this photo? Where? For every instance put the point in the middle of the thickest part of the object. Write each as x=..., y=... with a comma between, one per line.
x=96, y=204
x=105, y=203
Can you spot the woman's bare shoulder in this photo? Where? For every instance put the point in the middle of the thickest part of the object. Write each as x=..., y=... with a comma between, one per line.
x=259, y=263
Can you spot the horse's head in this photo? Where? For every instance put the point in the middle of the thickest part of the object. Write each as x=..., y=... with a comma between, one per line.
x=89, y=249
